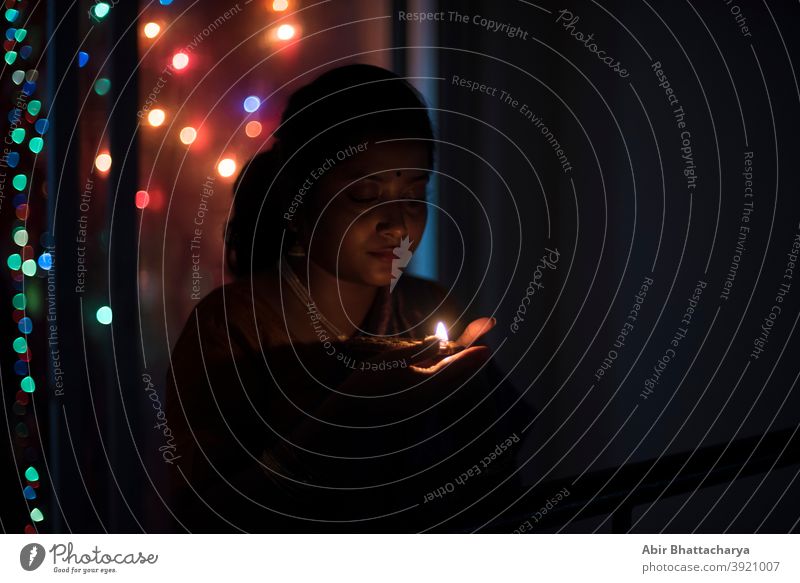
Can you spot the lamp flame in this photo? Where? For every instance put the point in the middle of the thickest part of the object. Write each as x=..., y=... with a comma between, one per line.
x=441, y=332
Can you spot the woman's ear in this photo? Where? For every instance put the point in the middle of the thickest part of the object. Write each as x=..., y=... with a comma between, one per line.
x=298, y=233
x=299, y=228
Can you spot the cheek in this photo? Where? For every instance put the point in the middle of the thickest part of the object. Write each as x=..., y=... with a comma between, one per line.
x=338, y=223
x=415, y=223
x=348, y=229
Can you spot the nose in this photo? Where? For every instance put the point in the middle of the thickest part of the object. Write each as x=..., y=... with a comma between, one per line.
x=391, y=221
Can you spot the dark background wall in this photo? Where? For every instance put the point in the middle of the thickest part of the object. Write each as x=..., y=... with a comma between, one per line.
x=625, y=213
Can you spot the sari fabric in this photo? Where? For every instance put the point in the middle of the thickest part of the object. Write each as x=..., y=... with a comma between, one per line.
x=240, y=387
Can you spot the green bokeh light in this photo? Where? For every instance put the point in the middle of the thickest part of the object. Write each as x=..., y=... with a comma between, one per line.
x=102, y=86
x=19, y=301
x=21, y=237
x=104, y=315
x=20, y=345
x=101, y=9
x=14, y=261
x=28, y=385
x=29, y=267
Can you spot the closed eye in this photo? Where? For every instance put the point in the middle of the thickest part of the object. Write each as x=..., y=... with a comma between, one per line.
x=364, y=191
x=418, y=192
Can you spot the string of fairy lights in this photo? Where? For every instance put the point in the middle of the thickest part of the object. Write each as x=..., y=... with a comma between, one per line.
x=181, y=62
x=26, y=138
x=26, y=128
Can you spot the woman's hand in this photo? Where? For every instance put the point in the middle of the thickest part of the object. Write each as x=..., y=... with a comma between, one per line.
x=375, y=397
x=476, y=355
x=425, y=380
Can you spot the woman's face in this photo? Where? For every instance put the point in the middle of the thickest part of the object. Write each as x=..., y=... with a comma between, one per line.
x=366, y=204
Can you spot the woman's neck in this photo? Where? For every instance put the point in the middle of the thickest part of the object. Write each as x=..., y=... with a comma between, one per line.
x=344, y=303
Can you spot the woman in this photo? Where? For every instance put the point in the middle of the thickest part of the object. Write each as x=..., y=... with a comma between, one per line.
x=281, y=425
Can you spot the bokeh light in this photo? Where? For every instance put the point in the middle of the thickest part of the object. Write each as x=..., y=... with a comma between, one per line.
x=29, y=267
x=102, y=86
x=156, y=117
x=142, y=199
x=180, y=61
x=280, y=5
x=188, y=135
x=104, y=315
x=151, y=30
x=25, y=325
x=226, y=167
x=252, y=129
x=45, y=261
x=101, y=10
x=14, y=261
x=20, y=181
x=251, y=104
x=28, y=385
x=19, y=301
x=20, y=345
x=103, y=162
x=285, y=31
x=36, y=144
x=21, y=237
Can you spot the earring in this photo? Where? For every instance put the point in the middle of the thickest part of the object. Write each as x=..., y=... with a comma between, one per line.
x=296, y=249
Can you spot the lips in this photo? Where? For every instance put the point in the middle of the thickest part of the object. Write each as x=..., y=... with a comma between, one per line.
x=385, y=254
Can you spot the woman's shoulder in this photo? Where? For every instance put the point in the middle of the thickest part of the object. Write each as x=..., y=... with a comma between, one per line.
x=236, y=305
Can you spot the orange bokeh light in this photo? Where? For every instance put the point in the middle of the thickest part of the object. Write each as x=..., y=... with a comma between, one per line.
x=103, y=162
x=285, y=32
x=252, y=129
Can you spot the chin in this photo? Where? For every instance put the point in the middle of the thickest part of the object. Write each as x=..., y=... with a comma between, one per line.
x=379, y=280
x=378, y=277
x=368, y=276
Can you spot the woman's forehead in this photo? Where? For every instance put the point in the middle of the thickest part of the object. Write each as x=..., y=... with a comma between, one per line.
x=385, y=159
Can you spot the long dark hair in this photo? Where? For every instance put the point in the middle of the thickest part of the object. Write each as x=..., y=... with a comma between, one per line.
x=329, y=114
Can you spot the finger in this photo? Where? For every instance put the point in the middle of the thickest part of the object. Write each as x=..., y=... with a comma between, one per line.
x=475, y=330
x=468, y=359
